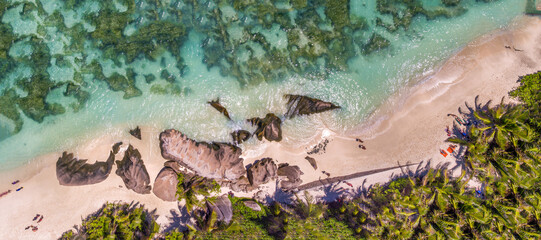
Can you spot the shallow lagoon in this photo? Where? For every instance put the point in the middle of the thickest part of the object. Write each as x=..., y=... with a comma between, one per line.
x=174, y=88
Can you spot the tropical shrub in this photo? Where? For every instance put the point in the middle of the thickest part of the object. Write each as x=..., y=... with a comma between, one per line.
x=116, y=221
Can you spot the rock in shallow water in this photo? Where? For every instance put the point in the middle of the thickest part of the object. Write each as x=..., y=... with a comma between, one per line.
x=262, y=172
x=303, y=105
x=268, y=127
x=240, y=136
x=165, y=185
x=216, y=105
x=73, y=172
x=133, y=172
x=215, y=160
x=136, y=132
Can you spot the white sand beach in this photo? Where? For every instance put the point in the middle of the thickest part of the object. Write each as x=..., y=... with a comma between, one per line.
x=412, y=132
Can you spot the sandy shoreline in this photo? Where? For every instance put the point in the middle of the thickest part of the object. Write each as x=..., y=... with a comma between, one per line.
x=414, y=132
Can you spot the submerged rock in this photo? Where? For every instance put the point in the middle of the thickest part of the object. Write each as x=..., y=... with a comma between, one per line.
x=216, y=105
x=312, y=162
x=303, y=105
x=293, y=174
x=165, y=185
x=73, y=172
x=240, y=136
x=133, y=172
x=268, y=127
x=262, y=172
x=215, y=160
x=222, y=207
x=136, y=132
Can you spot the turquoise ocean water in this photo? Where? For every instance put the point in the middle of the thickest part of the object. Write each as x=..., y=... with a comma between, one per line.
x=177, y=98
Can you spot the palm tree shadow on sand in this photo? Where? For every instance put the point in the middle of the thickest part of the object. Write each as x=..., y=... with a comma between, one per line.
x=179, y=220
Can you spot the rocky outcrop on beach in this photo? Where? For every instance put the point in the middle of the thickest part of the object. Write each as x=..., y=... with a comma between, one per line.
x=116, y=147
x=214, y=160
x=262, y=172
x=133, y=172
x=240, y=136
x=136, y=132
x=222, y=207
x=268, y=127
x=303, y=105
x=312, y=161
x=240, y=185
x=292, y=174
x=71, y=171
x=165, y=185
x=216, y=105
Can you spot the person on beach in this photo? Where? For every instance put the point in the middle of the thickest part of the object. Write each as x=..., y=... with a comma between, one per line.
x=40, y=219
x=19, y=189
x=359, y=140
x=448, y=131
x=36, y=217
x=362, y=147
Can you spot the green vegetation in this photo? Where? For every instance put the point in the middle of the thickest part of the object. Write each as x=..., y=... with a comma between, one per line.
x=189, y=187
x=502, y=154
x=116, y=221
x=529, y=92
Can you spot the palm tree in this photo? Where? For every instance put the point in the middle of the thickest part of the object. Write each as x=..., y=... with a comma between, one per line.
x=505, y=124
x=307, y=208
x=194, y=186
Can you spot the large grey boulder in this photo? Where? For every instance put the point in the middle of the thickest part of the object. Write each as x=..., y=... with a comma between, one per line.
x=292, y=174
x=71, y=171
x=133, y=172
x=262, y=172
x=214, y=160
x=222, y=207
x=165, y=185
x=268, y=127
x=303, y=105
x=240, y=185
